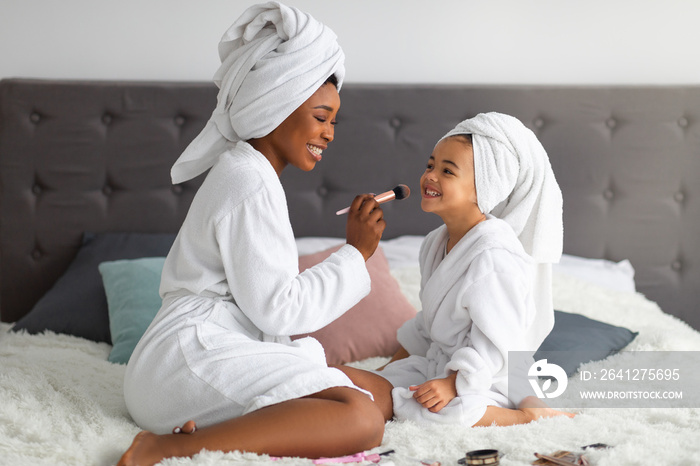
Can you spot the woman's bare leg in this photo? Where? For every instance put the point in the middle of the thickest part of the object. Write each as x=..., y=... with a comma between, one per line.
x=530, y=409
x=335, y=422
x=379, y=387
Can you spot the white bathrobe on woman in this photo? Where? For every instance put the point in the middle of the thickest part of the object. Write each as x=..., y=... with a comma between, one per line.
x=232, y=293
x=220, y=347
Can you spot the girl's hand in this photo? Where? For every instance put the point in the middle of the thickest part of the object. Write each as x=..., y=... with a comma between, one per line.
x=435, y=394
x=365, y=225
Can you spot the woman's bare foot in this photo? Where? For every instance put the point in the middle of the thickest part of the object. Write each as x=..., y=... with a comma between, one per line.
x=188, y=427
x=145, y=450
x=148, y=448
x=536, y=409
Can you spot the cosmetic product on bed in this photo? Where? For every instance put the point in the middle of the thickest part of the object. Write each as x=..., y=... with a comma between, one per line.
x=478, y=457
x=561, y=458
x=356, y=458
x=400, y=192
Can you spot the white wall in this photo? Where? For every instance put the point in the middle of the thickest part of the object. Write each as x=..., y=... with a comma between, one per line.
x=430, y=41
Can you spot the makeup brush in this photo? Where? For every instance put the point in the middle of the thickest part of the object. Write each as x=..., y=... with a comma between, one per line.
x=400, y=192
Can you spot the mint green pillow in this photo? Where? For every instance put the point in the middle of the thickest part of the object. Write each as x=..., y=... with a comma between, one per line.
x=131, y=287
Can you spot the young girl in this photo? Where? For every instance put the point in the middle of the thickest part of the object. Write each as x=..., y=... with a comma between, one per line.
x=219, y=351
x=486, y=278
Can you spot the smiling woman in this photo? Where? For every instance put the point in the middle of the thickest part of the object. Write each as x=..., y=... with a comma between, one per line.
x=301, y=138
x=219, y=352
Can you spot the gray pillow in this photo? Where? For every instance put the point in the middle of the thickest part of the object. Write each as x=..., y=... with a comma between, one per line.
x=576, y=339
x=77, y=304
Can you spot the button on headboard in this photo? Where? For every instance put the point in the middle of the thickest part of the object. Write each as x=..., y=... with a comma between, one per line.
x=95, y=156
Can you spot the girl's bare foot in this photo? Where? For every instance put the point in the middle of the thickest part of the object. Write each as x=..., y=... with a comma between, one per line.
x=536, y=409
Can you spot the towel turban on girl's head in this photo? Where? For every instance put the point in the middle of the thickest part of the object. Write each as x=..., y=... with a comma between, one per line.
x=515, y=182
x=273, y=58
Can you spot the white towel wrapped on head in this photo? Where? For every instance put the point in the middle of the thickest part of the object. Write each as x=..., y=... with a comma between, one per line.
x=273, y=58
x=515, y=182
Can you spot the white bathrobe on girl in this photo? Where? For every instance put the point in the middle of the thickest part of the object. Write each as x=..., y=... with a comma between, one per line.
x=232, y=293
x=491, y=294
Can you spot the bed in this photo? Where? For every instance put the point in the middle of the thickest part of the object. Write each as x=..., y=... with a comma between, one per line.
x=84, y=180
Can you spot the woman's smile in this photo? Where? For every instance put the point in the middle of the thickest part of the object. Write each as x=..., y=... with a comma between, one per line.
x=310, y=126
x=316, y=151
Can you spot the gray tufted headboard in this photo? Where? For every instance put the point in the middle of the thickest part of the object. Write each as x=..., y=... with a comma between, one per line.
x=95, y=156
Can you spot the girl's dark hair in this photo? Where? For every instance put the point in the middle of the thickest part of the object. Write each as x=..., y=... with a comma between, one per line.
x=332, y=80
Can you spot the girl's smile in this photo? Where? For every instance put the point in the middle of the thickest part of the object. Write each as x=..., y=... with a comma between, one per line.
x=447, y=183
x=429, y=191
x=448, y=188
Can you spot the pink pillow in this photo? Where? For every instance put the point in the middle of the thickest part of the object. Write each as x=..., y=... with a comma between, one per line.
x=369, y=328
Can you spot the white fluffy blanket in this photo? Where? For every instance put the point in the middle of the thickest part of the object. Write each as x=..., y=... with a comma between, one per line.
x=61, y=403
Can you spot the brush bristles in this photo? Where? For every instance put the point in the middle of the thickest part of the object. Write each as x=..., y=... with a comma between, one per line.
x=401, y=191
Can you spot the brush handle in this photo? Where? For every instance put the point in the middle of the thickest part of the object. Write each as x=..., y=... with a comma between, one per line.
x=380, y=198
